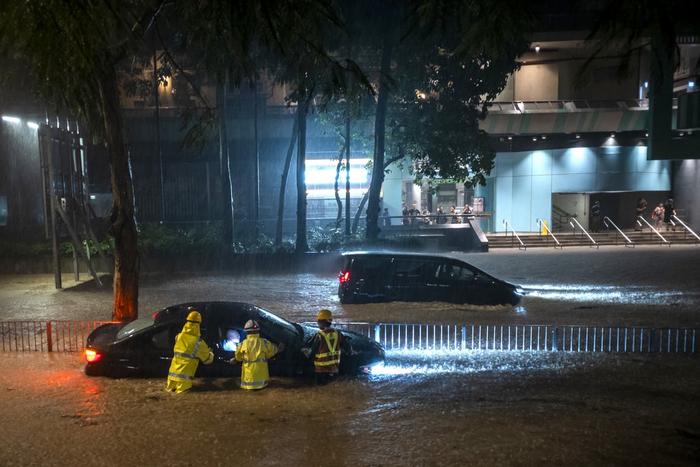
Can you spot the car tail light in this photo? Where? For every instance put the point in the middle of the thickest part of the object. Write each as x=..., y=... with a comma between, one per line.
x=92, y=355
x=343, y=277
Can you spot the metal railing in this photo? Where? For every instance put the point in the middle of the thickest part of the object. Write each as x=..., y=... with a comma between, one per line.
x=542, y=225
x=527, y=337
x=629, y=243
x=70, y=336
x=521, y=245
x=578, y=105
x=571, y=223
x=45, y=336
x=661, y=237
x=685, y=226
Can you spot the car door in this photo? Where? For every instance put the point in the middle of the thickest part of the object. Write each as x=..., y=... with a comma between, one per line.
x=158, y=345
x=465, y=288
x=439, y=280
x=408, y=279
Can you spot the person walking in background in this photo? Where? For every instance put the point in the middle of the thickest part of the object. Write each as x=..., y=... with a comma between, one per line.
x=640, y=210
x=466, y=211
x=413, y=213
x=426, y=217
x=453, y=215
x=386, y=218
x=595, y=216
x=441, y=218
x=657, y=216
x=669, y=211
x=404, y=215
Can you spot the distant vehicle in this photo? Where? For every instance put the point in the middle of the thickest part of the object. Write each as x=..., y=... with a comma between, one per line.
x=384, y=277
x=144, y=347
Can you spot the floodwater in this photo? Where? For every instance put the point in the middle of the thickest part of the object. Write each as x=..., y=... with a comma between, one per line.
x=419, y=408
x=486, y=408
x=645, y=286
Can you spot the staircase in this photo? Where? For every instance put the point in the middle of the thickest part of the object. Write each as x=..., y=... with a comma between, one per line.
x=605, y=237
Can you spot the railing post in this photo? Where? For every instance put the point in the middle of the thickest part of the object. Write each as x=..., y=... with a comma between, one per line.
x=554, y=339
x=49, y=336
x=377, y=334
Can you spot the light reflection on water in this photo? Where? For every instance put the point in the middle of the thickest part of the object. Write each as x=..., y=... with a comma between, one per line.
x=423, y=363
x=609, y=294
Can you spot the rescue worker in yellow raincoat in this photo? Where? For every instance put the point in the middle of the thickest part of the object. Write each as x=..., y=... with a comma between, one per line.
x=254, y=352
x=326, y=348
x=189, y=350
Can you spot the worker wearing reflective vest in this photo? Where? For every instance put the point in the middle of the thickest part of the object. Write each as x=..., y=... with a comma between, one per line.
x=326, y=348
x=189, y=350
x=254, y=352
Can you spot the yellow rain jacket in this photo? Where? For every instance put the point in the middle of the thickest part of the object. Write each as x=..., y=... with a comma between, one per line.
x=189, y=350
x=254, y=352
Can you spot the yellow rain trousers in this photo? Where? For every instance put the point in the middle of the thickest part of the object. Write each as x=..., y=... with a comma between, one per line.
x=189, y=350
x=254, y=352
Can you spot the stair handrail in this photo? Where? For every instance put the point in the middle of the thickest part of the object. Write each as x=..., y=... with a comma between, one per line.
x=629, y=242
x=685, y=226
x=522, y=245
x=544, y=224
x=593, y=242
x=654, y=230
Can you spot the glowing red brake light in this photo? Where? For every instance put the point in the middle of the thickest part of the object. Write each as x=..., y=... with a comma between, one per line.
x=92, y=356
x=343, y=277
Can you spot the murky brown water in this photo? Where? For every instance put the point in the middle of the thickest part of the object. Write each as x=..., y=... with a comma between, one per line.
x=647, y=286
x=481, y=408
x=549, y=408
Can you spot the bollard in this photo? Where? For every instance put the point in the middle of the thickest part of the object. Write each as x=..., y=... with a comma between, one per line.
x=49, y=336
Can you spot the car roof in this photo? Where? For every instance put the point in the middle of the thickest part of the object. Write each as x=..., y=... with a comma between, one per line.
x=176, y=311
x=401, y=253
x=419, y=255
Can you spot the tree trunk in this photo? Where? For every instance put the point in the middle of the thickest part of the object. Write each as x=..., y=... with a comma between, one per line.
x=347, y=169
x=338, y=202
x=302, y=245
x=375, y=186
x=123, y=229
x=358, y=213
x=225, y=166
x=363, y=201
x=283, y=184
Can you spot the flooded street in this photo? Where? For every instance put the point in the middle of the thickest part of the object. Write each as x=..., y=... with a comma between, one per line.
x=419, y=408
x=486, y=409
x=645, y=286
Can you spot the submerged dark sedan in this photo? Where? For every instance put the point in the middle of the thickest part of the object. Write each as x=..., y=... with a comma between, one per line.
x=145, y=346
x=414, y=277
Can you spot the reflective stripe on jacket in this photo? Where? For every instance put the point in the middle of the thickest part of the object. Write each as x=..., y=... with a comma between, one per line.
x=188, y=351
x=254, y=352
x=327, y=358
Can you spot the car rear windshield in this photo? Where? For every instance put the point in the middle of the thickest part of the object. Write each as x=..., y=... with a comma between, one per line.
x=134, y=327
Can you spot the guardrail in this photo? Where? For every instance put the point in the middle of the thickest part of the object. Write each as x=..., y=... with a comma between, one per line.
x=629, y=243
x=522, y=246
x=45, y=336
x=543, y=225
x=527, y=337
x=685, y=226
x=70, y=336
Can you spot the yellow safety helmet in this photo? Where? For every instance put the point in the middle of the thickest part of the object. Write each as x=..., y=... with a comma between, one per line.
x=324, y=315
x=194, y=317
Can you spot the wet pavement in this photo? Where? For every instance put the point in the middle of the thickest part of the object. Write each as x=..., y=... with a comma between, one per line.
x=420, y=408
